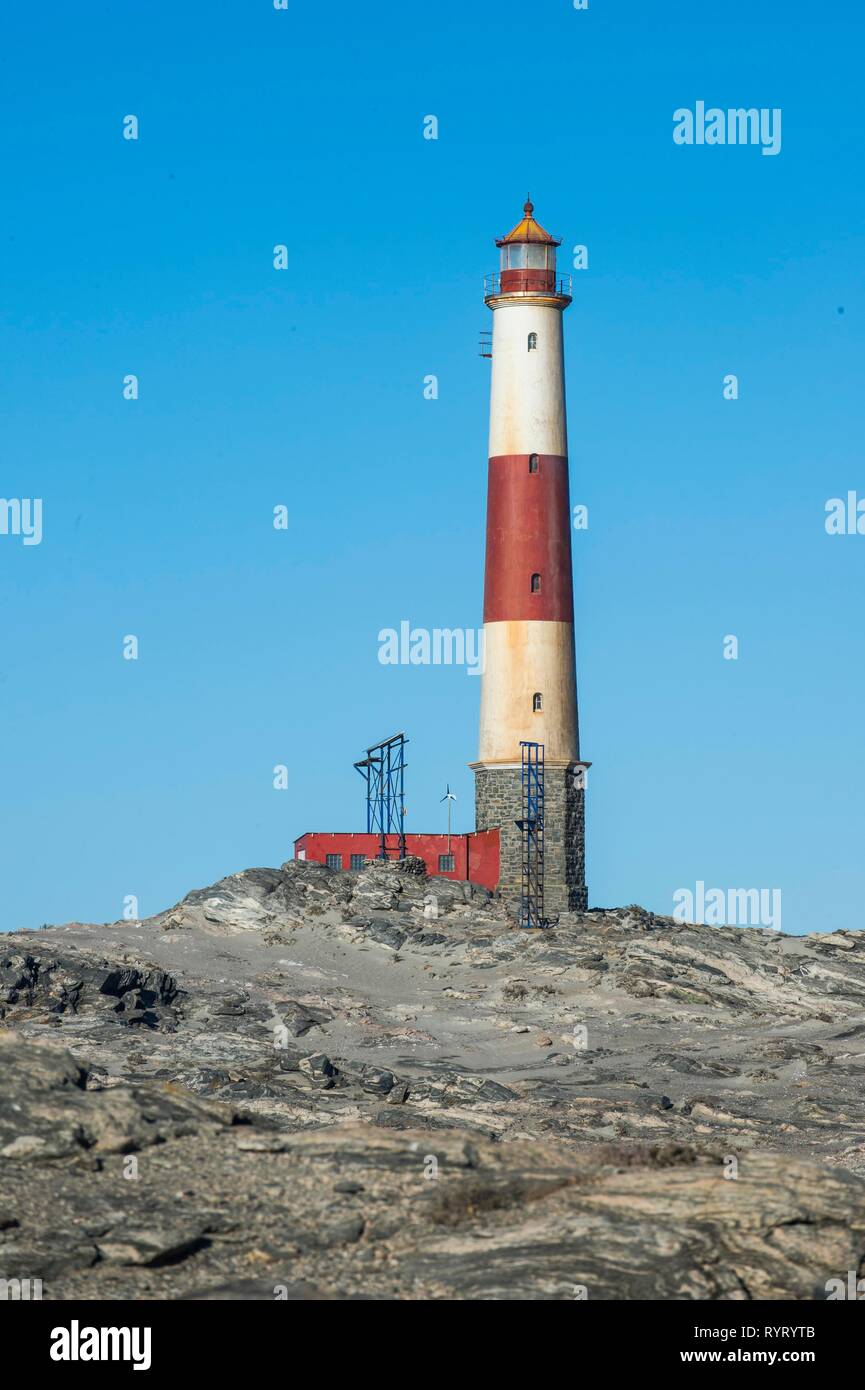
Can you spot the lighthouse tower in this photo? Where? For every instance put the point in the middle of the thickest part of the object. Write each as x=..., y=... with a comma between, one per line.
x=528, y=688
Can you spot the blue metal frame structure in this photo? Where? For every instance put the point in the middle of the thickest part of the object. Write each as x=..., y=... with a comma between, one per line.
x=531, y=827
x=383, y=770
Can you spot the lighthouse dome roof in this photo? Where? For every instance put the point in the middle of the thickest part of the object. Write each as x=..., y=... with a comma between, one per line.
x=527, y=229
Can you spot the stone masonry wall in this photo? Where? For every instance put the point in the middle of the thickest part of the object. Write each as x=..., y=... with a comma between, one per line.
x=498, y=802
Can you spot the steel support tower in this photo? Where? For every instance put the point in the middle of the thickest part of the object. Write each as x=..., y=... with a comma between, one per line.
x=531, y=827
x=383, y=770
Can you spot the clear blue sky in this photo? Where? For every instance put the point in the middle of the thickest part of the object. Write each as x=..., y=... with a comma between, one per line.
x=305, y=387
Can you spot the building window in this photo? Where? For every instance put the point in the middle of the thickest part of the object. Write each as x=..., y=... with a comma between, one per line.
x=447, y=864
x=533, y=341
x=536, y=583
x=333, y=861
x=357, y=861
x=537, y=702
x=534, y=463
x=537, y=257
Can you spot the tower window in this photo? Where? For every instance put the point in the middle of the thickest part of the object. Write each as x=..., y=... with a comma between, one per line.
x=534, y=463
x=536, y=583
x=537, y=702
x=533, y=341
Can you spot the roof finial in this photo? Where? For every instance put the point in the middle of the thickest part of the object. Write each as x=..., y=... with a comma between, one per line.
x=527, y=229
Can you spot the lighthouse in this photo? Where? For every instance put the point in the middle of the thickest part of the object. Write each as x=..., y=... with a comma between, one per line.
x=528, y=687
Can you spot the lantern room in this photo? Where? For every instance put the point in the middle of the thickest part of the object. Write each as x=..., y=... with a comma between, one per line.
x=528, y=257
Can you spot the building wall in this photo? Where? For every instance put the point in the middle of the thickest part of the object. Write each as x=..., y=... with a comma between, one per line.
x=498, y=801
x=484, y=857
x=476, y=856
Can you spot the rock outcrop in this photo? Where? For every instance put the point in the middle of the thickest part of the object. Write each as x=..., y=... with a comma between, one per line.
x=373, y=1085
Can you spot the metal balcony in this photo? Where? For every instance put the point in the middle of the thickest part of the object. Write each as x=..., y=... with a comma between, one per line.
x=561, y=286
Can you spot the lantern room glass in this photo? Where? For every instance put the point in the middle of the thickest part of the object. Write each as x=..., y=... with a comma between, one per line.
x=521, y=255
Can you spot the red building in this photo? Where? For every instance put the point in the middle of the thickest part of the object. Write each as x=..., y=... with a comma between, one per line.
x=474, y=857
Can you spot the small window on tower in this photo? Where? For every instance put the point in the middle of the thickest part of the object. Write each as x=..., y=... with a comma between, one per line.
x=536, y=583
x=533, y=341
x=534, y=463
x=537, y=701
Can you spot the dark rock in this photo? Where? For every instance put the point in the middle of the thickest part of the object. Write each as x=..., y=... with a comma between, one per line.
x=319, y=1069
x=341, y=1233
x=46, y=1113
x=387, y=935
x=376, y=1080
x=154, y=1246
x=299, y=1019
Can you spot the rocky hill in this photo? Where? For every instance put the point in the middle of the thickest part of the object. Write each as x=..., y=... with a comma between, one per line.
x=302, y=1080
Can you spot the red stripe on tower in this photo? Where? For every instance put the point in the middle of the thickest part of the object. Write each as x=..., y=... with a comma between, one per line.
x=528, y=560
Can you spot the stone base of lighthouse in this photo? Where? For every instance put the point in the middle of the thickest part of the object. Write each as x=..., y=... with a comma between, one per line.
x=498, y=804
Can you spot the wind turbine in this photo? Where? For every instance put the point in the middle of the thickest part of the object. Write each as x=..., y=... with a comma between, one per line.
x=448, y=797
